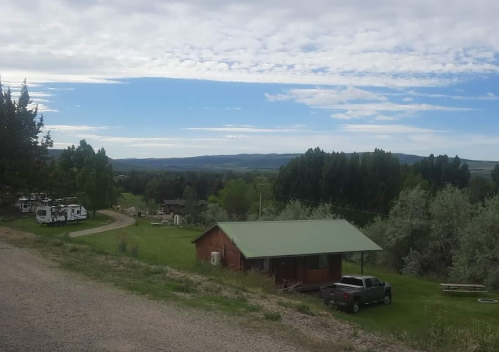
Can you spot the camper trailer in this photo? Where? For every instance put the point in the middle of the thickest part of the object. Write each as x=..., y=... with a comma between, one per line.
x=60, y=214
x=26, y=205
x=30, y=203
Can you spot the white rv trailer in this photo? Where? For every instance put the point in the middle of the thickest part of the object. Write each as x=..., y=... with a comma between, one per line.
x=29, y=204
x=60, y=214
x=26, y=205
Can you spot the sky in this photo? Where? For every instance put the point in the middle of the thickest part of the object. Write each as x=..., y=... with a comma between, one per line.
x=162, y=78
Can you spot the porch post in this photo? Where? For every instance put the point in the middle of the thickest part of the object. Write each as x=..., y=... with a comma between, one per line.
x=362, y=263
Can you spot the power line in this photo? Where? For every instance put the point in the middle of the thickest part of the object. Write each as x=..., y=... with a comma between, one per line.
x=332, y=205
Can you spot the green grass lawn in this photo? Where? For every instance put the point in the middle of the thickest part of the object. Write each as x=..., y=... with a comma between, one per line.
x=417, y=301
x=418, y=305
x=157, y=245
x=29, y=224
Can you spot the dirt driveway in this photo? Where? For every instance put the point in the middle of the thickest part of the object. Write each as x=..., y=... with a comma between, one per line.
x=120, y=220
x=43, y=308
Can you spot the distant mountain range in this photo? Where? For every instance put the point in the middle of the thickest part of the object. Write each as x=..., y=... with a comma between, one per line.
x=247, y=162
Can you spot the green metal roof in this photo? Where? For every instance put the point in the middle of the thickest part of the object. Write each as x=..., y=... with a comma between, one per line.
x=260, y=239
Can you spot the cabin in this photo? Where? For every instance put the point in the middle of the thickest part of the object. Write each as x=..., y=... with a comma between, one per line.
x=307, y=253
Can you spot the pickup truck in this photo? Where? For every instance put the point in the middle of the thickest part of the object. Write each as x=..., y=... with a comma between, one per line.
x=355, y=290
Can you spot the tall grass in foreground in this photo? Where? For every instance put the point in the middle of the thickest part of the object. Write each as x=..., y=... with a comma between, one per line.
x=436, y=332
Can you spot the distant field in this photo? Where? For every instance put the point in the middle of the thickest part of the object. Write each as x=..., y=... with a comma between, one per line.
x=415, y=302
x=30, y=225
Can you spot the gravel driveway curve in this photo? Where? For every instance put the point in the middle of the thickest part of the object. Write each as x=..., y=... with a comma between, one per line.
x=43, y=308
x=120, y=220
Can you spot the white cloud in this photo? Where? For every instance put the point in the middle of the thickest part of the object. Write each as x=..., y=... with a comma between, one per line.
x=392, y=107
x=319, y=97
x=59, y=89
x=356, y=103
x=386, y=129
x=356, y=43
x=408, y=99
x=43, y=108
x=118, y=139
x=62, y=145
x=167, y=145
x=354, y=114
x=489, y=96
x=74, y=128
x=243, y=129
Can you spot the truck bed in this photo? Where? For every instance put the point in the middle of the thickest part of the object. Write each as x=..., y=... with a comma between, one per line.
x=335, y=291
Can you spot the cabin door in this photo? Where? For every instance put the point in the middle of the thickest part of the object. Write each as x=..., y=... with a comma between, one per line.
x=284, y=270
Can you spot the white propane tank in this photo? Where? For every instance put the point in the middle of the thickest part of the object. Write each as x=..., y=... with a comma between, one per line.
x=216, y=258
x=176, y=220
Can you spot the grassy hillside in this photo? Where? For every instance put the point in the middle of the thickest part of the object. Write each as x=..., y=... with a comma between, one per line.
x=419, y=306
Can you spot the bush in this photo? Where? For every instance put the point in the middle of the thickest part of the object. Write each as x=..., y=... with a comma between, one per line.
x=272, y=316
x=304, y=309
x=122, y=243
x=134, y=251
x=412, y=264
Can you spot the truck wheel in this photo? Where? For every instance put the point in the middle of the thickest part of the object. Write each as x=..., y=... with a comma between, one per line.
x=387, y=299
x=354, y=308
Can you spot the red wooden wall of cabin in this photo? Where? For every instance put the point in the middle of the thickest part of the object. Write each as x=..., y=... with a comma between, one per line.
x=291, y=269
x=295, y=269
x=216, y=241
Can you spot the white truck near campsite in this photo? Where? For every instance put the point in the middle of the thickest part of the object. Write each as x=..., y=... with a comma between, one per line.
x=60, y=214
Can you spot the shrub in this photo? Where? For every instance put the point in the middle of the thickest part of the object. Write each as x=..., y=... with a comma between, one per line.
x=134, y=251
x=72, y=248
x=122, y=243
x=56, y=243
x=272, y=316
x=412, y=264
x=304, y=309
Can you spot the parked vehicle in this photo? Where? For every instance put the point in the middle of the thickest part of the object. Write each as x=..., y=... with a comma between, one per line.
x=62, y=214
x=355, y=290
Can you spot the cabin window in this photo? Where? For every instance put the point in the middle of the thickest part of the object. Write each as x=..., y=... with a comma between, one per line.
x=77, y=212
x=376, y=282
x=262, y=265
x=25, y=205
x=42, y=212
x=369, y=283
x=316, y=262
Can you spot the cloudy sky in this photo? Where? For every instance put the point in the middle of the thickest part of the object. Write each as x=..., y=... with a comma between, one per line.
x=165, y=79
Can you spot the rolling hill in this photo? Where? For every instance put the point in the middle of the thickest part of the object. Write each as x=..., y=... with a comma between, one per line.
x=247, y=162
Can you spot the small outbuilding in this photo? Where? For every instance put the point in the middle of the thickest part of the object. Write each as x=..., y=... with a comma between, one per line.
x=308, y=252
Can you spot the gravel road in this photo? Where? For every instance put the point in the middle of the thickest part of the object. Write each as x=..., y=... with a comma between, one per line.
x=43, y=308
x=120, y=220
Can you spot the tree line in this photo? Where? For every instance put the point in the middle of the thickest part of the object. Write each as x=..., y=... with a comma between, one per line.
x=357, y=186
